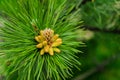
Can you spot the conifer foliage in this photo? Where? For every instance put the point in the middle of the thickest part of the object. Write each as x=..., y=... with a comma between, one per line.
x=23, y=20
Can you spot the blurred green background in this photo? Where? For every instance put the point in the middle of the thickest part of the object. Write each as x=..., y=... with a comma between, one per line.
x=101, y=34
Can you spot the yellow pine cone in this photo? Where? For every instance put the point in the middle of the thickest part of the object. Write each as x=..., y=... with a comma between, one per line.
x=42, y=52
x=55, y=37
x=46, y=48
x=48, y=42
x=39, y=45
x=51, y=51
x=56, y=50
x=44, y=43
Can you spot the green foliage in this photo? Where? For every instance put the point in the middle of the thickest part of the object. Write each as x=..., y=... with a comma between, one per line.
x=102, y=14
x=99, y=52
x=101, y=17
x=22, y=59
x=23, y=19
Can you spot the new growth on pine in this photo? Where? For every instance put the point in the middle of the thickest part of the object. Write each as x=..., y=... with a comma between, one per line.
x=39, y=39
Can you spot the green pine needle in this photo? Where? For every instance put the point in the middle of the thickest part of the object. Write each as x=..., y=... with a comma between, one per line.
x=22, y=21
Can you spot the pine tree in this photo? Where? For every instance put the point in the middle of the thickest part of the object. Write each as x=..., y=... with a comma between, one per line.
x=39, y=39
x=42, y=39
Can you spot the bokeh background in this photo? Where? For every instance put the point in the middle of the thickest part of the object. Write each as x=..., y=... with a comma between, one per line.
x=101, y=34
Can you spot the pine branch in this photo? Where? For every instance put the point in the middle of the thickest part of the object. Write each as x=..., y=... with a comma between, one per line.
x=98, y=68
x=39, y=39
